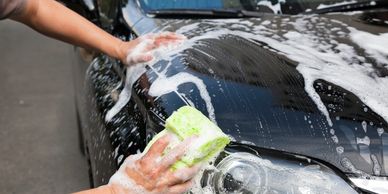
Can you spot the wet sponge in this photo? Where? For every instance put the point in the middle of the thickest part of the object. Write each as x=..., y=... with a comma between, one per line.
x=186, y=122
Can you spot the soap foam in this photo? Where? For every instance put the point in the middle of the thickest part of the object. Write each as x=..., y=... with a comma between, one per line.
x=122, y=181
x=163, y=85
x=133, y=73
x=319, y=56
x=324, y=6
x=322, y=56
x=275, y=8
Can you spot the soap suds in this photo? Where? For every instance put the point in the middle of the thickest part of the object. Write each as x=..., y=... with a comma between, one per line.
x=163, y=85
x=323, y=6
x=133, y=74
x=121, y=178
x=322, y=56
x=376, y=165
x=269, y=177
x=319, y=56
x=377, y=186
x=276, y=8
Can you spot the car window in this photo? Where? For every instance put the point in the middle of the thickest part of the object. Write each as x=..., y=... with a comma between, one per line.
x=190, y=4
x=242, y=4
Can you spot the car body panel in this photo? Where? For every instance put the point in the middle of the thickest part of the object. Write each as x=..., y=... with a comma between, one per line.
x=258, y=93
x=272, y=109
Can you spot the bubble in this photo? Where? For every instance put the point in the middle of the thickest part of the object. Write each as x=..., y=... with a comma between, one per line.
x=365, y=140
x=335, y=139
x=380, y=131
x=340, y=149
x=364, y=125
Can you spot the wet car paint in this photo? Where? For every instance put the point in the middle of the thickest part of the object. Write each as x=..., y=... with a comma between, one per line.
x=270, y=110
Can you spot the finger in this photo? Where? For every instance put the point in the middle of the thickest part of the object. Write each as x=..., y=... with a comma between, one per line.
x=176, y=153
x=170, y=35
x=152, y=45
x=148, y=36
x=166, y=42
x=182, y=188
x=157, y=148
x=139, y=58
x=138, y=176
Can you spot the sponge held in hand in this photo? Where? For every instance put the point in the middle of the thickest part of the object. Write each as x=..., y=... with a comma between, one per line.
x=187, y=122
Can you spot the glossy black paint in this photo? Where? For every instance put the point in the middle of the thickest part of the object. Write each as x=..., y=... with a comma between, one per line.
x=268, y=110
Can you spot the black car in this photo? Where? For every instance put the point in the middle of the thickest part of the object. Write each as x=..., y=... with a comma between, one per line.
x=300, y=86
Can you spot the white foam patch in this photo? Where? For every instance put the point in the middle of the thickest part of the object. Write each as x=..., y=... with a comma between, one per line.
x=375, y=46
x=340, y=65
x=323, y=6
x=376, y=165
x=164, y=52
x=133, y=73
x=187, y=28
x=321, y=56
x=122, y=183
x=377, y=186
x=163, y=85
x=365, y=140
x=276, y=8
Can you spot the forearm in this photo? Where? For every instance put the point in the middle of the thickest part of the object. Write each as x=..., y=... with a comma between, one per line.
x=99, y=190
x=55, y=20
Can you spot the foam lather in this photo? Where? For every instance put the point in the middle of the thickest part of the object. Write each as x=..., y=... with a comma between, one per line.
x=187, y=122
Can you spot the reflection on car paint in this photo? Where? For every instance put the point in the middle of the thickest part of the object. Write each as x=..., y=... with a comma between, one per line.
x=309, y=41
x=309, y=58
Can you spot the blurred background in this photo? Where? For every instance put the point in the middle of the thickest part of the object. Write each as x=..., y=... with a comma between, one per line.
x=38, y=129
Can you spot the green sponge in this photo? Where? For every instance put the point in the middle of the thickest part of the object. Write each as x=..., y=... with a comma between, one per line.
x=186, y=122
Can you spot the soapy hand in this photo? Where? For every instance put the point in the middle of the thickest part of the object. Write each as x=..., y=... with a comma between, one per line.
x=151, y=173
x=140, y=50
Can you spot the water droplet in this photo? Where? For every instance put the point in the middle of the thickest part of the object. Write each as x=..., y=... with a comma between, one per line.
x=335, y=139
x=364, y=125
x=340, y=149
x=380, y=131
x=365, y=140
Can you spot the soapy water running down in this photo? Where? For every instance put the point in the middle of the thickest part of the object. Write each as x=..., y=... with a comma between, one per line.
x=320, y=56
x=314, y=53
x=163, y=85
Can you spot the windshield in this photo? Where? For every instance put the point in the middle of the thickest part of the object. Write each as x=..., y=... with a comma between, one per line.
x=191, y=4
x=270, y=6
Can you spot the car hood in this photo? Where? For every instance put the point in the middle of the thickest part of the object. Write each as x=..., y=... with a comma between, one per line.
x=312, y=85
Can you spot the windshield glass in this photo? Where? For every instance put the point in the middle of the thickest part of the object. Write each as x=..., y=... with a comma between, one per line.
x=191, y=4
x=274, y=6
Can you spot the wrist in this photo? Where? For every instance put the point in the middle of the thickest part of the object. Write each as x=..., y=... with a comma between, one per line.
x=112, y=47
x=105, y=189
x=119, y=50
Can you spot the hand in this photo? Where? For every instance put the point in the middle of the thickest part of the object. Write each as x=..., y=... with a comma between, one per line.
x=140, y=49
x=151, y=173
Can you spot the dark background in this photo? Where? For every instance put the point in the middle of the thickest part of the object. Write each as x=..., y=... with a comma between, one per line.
x=38, y=130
